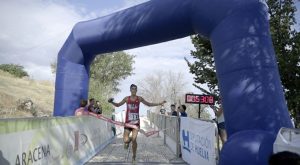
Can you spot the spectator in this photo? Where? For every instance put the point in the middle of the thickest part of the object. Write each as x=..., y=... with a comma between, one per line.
x=173, y=110
x=98, y=108
x=293, y=121
x=91, y=105
x=181, y=109
x=209, y=110
x=113, y=127
x=162, y=110
x=82, y=110
x=221, y=122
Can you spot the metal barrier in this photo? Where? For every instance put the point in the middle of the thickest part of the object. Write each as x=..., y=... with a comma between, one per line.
x=171, y=130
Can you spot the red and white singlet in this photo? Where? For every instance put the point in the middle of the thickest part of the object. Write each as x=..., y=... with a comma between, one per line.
x=132, y=112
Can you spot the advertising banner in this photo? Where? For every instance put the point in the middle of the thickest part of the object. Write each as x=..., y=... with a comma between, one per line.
x=197, y=140
x=59, y=140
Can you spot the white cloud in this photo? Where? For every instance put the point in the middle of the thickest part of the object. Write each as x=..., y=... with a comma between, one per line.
x=42, y=71
x=33, y=32
x=124, y=4
x=164, y=56
x=130, y=3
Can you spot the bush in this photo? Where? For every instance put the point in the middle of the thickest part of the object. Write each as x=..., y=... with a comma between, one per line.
x=14, y=69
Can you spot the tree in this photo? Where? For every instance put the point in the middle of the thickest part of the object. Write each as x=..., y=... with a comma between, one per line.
x=14, y=69
x=204, y=68
x=53, y=67
x=162, y=85
x=106, y=72
x=286, y=41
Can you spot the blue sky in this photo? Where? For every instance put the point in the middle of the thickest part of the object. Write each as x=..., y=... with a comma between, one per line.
x=98, y=6
x=33, y=31
x=297, y=15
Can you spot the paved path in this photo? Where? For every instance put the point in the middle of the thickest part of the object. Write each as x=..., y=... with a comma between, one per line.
x=151, y=150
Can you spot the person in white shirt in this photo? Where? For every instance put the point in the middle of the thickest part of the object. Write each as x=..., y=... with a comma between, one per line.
x=221, y=122
x=209, y=110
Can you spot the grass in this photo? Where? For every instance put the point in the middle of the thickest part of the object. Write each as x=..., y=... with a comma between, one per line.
x=13, y=89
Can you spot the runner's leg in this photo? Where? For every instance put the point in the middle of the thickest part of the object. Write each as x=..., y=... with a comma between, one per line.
x=223, y=135
x=134, y=143
x=126, y=137
x=222, y=132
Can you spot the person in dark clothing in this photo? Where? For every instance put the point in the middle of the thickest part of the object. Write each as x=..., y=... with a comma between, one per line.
x=173, y=110
x=181, y=109
x=91, y=105
x=98, y=108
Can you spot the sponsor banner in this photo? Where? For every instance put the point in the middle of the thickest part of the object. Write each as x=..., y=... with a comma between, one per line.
x=197, y=139
x=67, y=140
x=23, y=148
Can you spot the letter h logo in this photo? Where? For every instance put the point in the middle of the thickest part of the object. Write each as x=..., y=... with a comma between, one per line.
x=186, y=140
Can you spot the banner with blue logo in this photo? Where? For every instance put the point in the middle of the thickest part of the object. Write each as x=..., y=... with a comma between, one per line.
x=197, y=140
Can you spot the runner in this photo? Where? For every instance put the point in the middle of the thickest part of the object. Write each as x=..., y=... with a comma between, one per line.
x=132, y=116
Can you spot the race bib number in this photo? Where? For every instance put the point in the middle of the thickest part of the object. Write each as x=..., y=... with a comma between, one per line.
x=133, y=116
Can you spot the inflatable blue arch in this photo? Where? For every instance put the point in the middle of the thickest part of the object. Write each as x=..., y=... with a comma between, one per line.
x=254, y=104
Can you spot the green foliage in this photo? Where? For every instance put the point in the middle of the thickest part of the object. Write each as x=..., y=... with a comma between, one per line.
x=204, y=68
x=53, y=67
x=286, y=43
x=14, y=69
x=106, y=72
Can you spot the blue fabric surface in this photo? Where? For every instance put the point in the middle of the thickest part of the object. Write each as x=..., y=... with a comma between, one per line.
x=246, y=66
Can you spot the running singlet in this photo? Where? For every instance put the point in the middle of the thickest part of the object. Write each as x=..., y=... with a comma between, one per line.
x=132, y=112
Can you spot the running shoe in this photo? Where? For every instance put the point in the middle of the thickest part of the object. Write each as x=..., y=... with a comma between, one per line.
x=133, y=160
x=126, y=146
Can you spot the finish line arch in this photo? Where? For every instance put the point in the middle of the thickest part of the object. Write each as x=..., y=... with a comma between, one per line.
x=254, y=104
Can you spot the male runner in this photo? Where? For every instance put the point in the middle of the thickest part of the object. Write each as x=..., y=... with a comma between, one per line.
x=132, y=116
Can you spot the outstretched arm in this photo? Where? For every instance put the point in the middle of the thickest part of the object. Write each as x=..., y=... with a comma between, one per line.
x=219, y=111
x=118, y=104
x=150, y=104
